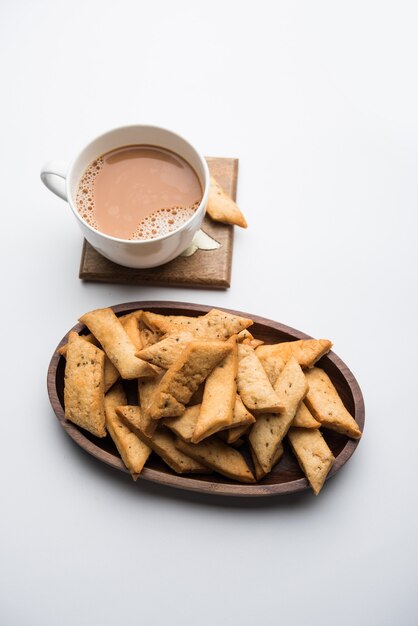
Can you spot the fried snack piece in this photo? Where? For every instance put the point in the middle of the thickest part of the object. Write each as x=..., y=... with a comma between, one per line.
x=269, y=430
x=219, y=396
x=132, y=330
x=163, y=324
x=220, y=457
x=146, y=391
x=165, y=352
x=148, y=337
x=136, y=314
x=304, y=418
x=214, y=325
x=106, y=327
x=241, y=417
x=185, y=375
x=84, y=385
x=233, y=435
x=254, y=343
x=222, y=208
x=126, y=412
x=253, y=384
x=243, y=335
x=111, y=374
x=162, y=442
x=259, y=472
x=246, y=337
x=273, y=366
x=306, y=351
x=90, y=338
x=221, y=325
x=184, y=425
x=241, y=422
x=313, y=455
x=134, y=451
x=326, y=405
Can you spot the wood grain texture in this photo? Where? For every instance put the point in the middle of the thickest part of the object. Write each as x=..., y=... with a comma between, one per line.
x=209, y=269
x=285, y=478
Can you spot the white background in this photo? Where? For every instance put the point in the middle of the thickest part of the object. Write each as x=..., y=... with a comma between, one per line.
x=319, y=100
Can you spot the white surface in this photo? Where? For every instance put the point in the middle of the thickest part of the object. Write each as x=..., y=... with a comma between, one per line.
x=320, y=103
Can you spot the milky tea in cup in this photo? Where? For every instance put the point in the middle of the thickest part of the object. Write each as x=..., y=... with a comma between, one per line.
x=138, y=192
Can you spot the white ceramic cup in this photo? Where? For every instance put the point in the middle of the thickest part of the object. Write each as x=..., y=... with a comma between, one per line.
x=63, y=181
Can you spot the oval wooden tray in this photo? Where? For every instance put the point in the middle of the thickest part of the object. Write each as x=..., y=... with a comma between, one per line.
x=285, y=478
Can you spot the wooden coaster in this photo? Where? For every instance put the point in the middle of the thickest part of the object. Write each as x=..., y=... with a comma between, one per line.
x=205, y=268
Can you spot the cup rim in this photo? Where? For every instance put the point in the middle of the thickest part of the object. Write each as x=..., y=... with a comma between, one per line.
x=202, y=203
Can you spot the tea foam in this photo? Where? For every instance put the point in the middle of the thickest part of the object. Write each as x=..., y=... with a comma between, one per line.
x=163, y=222
x=85, y=192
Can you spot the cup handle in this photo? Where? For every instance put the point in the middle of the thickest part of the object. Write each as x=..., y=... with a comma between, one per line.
x=53, y=176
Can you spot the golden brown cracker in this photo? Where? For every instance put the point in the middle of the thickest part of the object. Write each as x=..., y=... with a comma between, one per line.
x=132, y=330
x=162, y=443
x=111, y=374
x=133, y=451
x=164, y=324
x=246, y=337
x=242, y=419
x=146, y=391
x=219, y=457
x=326, y=405
x=185, y=375
x=273, y=366
x=259, y=472
x=134, y=413
x=254, y=343
x=147, y=336
x=304, y=418
x=184, y=425
x=243, y=335
x=313, y=455
x=306, y=351
x=167, y=350
x=269, y=430
x=278, y=455
x=221, y=206
x=115, y=341
x=291, y=386
x=136, y=314
x=215, y=324
x=232, y=435
x=89, y=337
x=84, y=385
x=220, y=325
x=219, y=396
x=254, y=387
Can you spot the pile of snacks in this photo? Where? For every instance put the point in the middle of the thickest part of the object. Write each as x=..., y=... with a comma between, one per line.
x=206, y=387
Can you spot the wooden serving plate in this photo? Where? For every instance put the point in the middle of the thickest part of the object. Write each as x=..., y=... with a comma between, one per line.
x=285, y=478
